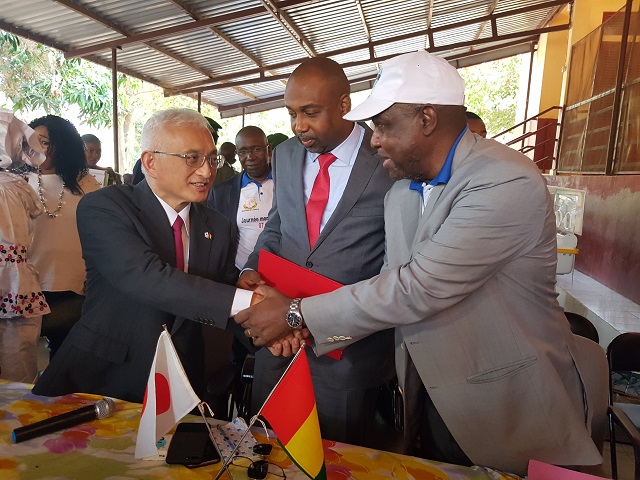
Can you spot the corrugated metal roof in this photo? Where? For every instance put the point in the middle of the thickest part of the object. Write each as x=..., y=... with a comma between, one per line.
x=229, y=50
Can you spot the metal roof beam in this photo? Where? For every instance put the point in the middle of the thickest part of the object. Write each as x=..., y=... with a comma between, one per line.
x=429, y=20
x=62, y=47
x=454, y=59
x=363, y=20
x=461, y=60
x=219, y=33
x=224, y=37
x=365, y=27
x=165, y=32
x=259, y=71
x=121, y=30
x=285, y=22
x=490, y=10
x=216, y=31
x=278, y=101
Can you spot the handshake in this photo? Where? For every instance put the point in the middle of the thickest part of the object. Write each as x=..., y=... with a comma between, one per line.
x=264, y=321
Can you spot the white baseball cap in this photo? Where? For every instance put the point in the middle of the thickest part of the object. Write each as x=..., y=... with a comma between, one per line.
x=418, y=78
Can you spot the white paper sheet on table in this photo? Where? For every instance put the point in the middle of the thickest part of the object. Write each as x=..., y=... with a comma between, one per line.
x=228, y=435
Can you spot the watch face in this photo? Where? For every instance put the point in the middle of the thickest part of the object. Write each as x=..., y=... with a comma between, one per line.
x=294, y=319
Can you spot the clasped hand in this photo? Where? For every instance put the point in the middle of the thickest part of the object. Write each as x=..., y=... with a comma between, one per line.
x=264, y=321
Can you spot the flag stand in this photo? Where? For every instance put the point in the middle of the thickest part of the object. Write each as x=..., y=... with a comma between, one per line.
x=177, y=394
x=225, y=464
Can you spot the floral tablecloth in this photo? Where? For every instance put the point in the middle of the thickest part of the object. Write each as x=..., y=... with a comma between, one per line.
x=104, y=449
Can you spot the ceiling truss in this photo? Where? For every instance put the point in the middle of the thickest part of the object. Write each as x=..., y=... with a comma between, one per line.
x=261, y=74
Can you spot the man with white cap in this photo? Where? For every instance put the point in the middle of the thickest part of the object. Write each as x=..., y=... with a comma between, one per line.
x=484, y=355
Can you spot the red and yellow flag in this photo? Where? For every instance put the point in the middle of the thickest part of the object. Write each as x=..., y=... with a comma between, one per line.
x=291, y=412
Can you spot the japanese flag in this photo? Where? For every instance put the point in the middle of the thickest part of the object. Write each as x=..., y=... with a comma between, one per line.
x=168, y=398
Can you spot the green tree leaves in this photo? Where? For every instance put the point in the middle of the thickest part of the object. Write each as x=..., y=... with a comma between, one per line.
x=491, y=91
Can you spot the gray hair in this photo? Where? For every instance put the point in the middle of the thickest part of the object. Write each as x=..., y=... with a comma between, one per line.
x=153, y=130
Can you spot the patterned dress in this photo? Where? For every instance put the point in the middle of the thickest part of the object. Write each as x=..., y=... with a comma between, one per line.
x=20, y=293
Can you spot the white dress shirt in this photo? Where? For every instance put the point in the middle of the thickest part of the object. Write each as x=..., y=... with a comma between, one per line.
x=339, y=171
x=242, y=298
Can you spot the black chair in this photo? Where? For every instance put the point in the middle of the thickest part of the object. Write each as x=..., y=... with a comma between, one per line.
x=227, y=388
x=592, y=362
x=623, y=355
x=582, y=326
x=66, y=310
x=241, y=396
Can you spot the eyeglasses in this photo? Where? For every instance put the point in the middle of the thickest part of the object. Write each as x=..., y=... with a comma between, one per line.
x=195, y=160
x=258, y=469
x=245, y=152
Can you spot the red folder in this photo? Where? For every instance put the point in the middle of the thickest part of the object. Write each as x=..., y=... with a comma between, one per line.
x=295, y=281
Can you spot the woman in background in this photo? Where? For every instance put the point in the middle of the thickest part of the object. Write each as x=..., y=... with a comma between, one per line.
x=60, y=182
x=22, y=303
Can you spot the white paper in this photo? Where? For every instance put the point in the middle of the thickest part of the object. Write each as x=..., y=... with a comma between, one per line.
x=228, y=435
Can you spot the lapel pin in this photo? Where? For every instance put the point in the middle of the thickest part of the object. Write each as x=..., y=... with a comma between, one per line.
x=208, y=235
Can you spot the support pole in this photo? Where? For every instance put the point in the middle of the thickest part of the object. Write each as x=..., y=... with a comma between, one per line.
x=617, y=94
x=526, y=102
x=114, y=93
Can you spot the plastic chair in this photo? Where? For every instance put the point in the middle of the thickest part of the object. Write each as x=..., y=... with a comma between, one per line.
x=582, y=326
x=623, y=355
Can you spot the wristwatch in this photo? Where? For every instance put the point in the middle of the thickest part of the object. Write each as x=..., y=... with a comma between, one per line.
x=294, y=315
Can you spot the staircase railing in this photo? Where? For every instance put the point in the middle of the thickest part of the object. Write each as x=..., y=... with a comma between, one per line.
x=538, y=142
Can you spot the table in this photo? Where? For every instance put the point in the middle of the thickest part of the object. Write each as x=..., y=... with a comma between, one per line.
x=104, y=449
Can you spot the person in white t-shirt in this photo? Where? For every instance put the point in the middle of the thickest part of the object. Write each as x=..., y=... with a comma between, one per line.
x=246, y=199
x=93, y=153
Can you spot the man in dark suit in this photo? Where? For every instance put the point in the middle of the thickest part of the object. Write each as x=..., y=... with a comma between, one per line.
x=154, y=256
x=347, y=245
x=246, y=198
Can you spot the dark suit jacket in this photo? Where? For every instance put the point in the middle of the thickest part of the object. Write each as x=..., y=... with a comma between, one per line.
x=133, y=289
x=350, y=248
x=136, y=175
x=225, y=198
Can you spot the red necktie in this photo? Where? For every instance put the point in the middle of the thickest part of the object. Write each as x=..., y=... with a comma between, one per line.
x=177, y=240
x=319, y=197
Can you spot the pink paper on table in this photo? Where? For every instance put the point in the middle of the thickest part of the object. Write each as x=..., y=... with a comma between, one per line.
x=543, y=471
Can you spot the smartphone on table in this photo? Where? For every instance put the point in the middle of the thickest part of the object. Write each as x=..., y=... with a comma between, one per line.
x=191, y=446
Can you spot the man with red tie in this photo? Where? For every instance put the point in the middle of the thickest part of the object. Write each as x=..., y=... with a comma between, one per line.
x=327, y=216
x=155, y=255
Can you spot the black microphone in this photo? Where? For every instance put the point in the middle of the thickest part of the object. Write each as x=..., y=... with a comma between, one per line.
x=101, y=409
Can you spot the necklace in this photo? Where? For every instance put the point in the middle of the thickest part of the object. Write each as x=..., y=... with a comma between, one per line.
x=41, y=196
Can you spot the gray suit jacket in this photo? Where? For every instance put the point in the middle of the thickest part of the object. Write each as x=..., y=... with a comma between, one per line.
x=470, y=284
x=350, y=248
x=133, y=288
